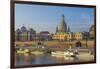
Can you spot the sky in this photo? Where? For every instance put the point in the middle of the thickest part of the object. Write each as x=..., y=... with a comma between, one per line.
x=46, y=18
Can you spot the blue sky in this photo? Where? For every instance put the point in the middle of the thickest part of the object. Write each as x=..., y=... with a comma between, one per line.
x=46, y=18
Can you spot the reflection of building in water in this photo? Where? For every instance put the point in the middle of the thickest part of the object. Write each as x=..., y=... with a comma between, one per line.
x=92, y=32
x=23, y=34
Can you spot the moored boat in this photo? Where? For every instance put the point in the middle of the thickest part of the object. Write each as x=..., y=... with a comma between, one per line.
x=65, y=53
x=69, y=54
x=57, y=53
x=37, y=52
x=22, y=51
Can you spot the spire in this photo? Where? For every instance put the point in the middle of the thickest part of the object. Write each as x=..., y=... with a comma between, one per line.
x=62, y=20
x=62, y=27
x=68, y=30
x=63, y=24
x=57, y=29
x=63, y=16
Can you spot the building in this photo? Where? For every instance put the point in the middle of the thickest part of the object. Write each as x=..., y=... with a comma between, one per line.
x=37, y=37
x=23, y=34
x=78, y=36
x=69, y=35
x=31, y=34
x=60, y=36
x=17, y=34
x=92, y=32
x=61, y=30
x=86, y=35
x=62, y=27
x=45, y=36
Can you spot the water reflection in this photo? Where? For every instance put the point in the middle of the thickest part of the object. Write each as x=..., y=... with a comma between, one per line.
x=30, y=59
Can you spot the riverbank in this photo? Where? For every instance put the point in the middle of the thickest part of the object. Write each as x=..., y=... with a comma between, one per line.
x=89, y=43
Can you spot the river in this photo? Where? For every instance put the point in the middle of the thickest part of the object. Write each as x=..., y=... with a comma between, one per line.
x=30, y=59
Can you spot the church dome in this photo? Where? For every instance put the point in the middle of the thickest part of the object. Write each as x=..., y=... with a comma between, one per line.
x=92, y=31
x=31, y=30
x=18, y=31
x=92, y=28
x=23, y=29
x=62, y=27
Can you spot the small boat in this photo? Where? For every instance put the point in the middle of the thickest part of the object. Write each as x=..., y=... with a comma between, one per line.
x=22, y=51
x=66, y=53
x=68, y=58
x=37, y=53
x=69, y=54
x=57, y=53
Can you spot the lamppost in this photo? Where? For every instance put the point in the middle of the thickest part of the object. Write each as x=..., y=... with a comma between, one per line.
x=86, y=42
x=86, y=38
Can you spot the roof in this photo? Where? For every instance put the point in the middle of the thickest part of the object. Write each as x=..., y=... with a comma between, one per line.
x=31, y=30
x=44, y=32
x=18, y=30
x=60, y=33
x=91, y=28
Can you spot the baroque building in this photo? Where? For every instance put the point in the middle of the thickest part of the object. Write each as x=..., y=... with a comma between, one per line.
x=62, y=27
x=45, y=36
x=78, y=36
x=23, y=34
x=61, y=30
x=92, y=32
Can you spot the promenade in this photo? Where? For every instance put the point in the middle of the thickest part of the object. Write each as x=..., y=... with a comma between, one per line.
x=59, y=44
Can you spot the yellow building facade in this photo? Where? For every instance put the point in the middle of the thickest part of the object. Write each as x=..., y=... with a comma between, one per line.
x=63, y=36
x=78, y=36
x=60, y=36
x=68, y=36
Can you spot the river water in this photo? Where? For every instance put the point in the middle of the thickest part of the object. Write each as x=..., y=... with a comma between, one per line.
x=30, y=59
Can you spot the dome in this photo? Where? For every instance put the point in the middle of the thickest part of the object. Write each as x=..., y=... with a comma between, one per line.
x=23, y=29
x=18, y=31
x=92, y=31
x=31, y=30
x=92, y=28
x=62, y=27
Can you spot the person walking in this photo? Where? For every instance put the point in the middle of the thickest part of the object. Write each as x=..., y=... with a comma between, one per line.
x=78, y=45
x=70, y=47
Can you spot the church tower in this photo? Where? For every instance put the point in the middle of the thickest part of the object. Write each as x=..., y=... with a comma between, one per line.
x=68, y=30
x=57, y=29
x=62, y=27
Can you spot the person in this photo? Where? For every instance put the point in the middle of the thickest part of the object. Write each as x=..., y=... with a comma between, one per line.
x=78, y=45
x=70, y=47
